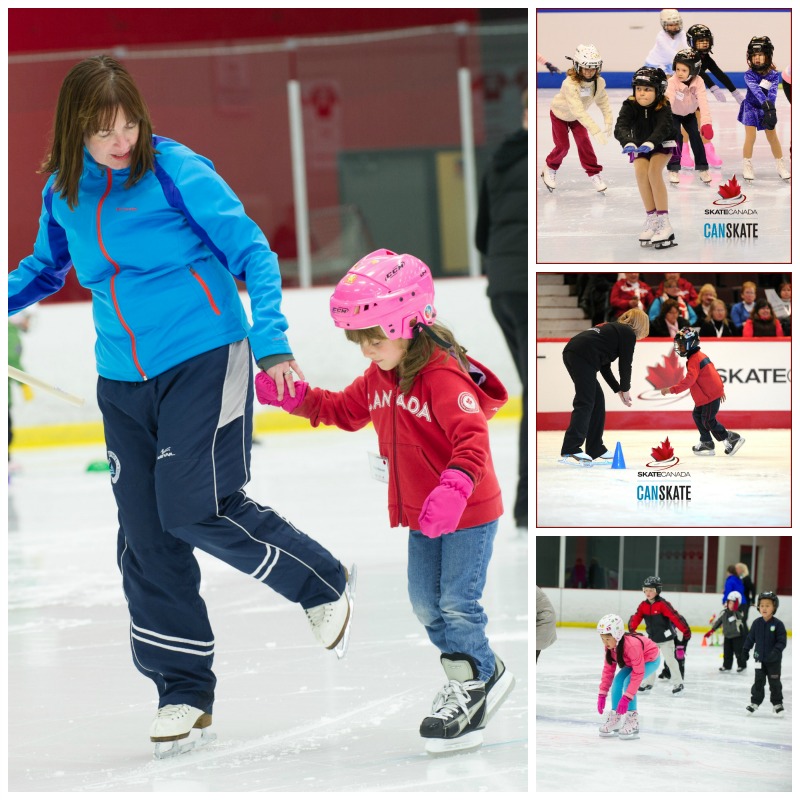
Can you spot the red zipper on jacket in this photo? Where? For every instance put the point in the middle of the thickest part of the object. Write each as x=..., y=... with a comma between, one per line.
x=114, y=276
x=206, y=290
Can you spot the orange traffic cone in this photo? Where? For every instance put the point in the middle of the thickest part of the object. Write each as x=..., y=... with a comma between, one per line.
x=705, y=642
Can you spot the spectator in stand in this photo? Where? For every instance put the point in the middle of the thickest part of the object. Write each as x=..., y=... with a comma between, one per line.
x=669, y=321
x=762, y=322
x=741, y=311
x=705, y=297
x=717, y=324
x=687, y=290
x=629, y=292
x=785, y=312
x=671, y=291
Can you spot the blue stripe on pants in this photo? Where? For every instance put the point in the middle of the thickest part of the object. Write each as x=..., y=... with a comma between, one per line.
x=179, y=445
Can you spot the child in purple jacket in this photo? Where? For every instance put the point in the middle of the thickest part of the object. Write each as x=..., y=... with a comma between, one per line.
x=757, y=111
x=638, y=657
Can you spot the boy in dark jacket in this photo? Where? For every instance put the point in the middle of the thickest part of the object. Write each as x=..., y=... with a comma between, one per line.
x=768, y=636
x=705, y=384
x=732, y=620
x=662, y=623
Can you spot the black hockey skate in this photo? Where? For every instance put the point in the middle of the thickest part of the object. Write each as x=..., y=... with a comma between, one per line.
x=704, y=449
x=458, y=711
x=733, y=443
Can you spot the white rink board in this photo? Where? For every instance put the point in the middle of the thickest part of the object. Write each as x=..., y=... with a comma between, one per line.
x=700, y=741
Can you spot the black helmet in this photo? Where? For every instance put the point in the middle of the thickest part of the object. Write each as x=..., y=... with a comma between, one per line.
x=654, y=77
x=768, y=596
x=687, y=341
x=691, y=58
x=653, y=582
x=699, y=32
x=760, y=44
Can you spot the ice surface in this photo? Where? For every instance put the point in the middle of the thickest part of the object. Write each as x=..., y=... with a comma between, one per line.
x=699, y=741
x=289, y=716
x=577, y=224
x=751, y=488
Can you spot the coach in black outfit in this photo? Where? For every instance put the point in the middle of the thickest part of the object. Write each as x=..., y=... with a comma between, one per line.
x=501, y=235
x=587, y=353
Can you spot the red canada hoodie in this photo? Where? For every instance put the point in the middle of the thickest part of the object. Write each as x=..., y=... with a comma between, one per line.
x=441, y=423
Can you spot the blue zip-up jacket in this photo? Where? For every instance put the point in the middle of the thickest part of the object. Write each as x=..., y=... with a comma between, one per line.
x=768, y=638
x=159, y=259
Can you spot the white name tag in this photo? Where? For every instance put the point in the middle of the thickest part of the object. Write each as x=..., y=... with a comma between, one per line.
x=765, y=84
x=586, y=91
x=679, y=95
x=379, y=467
x=667, y=634
x=731, y=619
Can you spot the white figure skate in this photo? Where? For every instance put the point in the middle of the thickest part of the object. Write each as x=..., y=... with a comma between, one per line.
x=782, y=171
x=747, y=169
x=172, y=726
x=330, y=622
x=630, y=730
x=664, y=236
x=649, y=227
x=674, y=176
x=576, y=460
x=549, y=178
x=612, y=725
x=598, y=183
x=705, y=176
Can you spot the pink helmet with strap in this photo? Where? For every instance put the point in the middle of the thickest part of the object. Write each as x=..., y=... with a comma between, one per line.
x=385, y=289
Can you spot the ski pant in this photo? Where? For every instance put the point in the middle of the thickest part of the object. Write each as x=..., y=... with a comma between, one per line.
x=731, y=647
x=705, y=417
x=668, y=653
x=583, y=142
x=623, y=678
x=767, y=672
x=510, y=309
x=588, y=417
x=689, y=121
x=446, y=578
x=179, y=450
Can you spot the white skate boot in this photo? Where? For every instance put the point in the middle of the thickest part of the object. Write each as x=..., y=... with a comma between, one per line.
x=782, y=171
x=649, y=228
x=549, y=178
x=705, y=176
x=173, y=723
x=612, y=725
x=598, y=183
x=459, y=709
x=674, y=176
x=664, y=236
x=575, y=459
x=630, y=730
x=747, y=169
x=330, y=622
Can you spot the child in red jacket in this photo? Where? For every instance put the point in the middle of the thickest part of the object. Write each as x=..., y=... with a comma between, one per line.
x=705, y=384
x=429, y=404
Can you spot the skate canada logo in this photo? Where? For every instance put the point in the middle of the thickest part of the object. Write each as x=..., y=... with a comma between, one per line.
x=114, y=466
x=729, y=197
x=670, y=493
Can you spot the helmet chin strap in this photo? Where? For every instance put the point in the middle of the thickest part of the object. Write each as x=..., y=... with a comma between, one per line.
x=420, y=327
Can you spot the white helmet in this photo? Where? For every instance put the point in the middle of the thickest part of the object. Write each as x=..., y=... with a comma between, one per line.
x=671, y=16
x=735, y=596
x=586, y=55
x=613, y=624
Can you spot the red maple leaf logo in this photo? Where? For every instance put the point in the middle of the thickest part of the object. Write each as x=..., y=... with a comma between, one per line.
x=668, y=374
x=663, y=452
x=729, y=190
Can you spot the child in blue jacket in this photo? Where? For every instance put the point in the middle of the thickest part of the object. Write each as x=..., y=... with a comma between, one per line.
x=768, y=637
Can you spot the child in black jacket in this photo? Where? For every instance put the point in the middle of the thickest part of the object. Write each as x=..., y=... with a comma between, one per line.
x=732, y=620
x=768, y=636
x=647, y=133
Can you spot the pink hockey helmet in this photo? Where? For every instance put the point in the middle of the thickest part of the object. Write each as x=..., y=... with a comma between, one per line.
x=387, y=290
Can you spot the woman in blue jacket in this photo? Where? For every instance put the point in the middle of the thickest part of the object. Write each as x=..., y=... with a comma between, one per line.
x=158, y=237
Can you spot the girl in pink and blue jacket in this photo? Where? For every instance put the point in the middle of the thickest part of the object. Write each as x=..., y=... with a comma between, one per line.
x=638, y=657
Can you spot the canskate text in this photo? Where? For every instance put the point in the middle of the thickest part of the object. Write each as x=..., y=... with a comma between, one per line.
x=410, y=404
x=730, y=230
x=653, y=492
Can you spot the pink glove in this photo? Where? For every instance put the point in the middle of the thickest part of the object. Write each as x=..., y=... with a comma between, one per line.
x=444, y=506
x=601, y=703
x=622, y=706
x=267, y=393
x=707, y=131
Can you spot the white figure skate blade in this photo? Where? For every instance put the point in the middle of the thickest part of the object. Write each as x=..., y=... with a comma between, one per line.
x=180, y=746
x=350, y=591
x=462, y=744
x=574, y=462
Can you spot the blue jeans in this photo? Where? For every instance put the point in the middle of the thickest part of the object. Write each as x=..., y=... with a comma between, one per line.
x=623, y=678
x=446, y=577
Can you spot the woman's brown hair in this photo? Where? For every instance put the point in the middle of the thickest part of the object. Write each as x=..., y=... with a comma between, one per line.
x=419, y=350
x=92, y=92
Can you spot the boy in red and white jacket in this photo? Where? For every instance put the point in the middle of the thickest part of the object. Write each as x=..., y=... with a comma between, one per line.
x=705, y=384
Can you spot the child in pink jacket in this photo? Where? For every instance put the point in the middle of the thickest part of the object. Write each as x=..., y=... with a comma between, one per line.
x=638, y=657
x=686, y=93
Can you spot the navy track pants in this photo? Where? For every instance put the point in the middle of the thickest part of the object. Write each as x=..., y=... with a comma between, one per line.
x=179, y=450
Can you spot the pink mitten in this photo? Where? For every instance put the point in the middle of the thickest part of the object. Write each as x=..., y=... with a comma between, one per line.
x=601, y=703
x=444, y=506
x=267, y=393
x=622, y=706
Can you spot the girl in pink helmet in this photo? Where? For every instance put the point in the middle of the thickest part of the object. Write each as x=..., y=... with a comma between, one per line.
x=637, y=657
x=429, y=403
